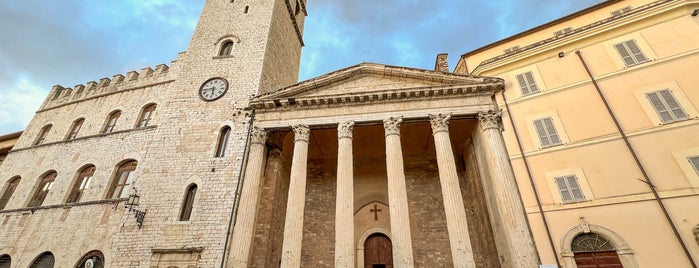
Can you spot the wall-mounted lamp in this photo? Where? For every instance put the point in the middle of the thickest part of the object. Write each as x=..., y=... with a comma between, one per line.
x=561, y=54
x=695, y=13
x=133, y=201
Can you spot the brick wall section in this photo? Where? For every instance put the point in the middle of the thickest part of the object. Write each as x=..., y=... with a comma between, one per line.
x=427, y=219
x=319, y=216
x=485, y=252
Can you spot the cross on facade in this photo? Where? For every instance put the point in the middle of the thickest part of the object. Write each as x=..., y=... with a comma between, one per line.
x=376, y=211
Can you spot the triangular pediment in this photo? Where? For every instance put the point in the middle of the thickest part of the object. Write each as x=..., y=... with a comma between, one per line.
x=373, y=82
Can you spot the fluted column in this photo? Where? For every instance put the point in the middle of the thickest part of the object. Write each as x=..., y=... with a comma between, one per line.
x=241, y=239
x=457, y=225
x=397, y=195
x=513, y=222
x=344, y=206
x=293, y=225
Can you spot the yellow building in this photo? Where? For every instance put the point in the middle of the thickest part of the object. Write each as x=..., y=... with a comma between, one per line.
x=598, y=107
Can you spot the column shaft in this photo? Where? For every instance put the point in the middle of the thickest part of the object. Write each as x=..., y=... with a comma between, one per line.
x=397, y=196
x=241, y=239
x=520, y=250
x=293, y=225
x=457, y=226
x=344, y=206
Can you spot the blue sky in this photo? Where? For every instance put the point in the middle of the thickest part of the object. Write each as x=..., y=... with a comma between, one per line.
x=73, y=42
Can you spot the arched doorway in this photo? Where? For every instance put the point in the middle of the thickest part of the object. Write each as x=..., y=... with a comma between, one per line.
x=93, y=259
x=5, y=261
x=571, y=249
x=378, y=251
x=593, y=251
x=45, y=260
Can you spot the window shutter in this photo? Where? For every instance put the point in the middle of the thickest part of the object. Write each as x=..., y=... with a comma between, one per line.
x=563, y=189
x=522, y=84
x=531, y=83
x=672, y=104
x=575, y=188
x=664, y=114
x=636, y=51
x=539, y=125
x=553, y=135
x=625, y=54
x=694, y=160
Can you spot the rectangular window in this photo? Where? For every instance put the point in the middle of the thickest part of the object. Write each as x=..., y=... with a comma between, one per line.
x=694, y=160
x=547, y=132
x=666, y=106
x=527, y=83
x=630, y=53
x=570, y=189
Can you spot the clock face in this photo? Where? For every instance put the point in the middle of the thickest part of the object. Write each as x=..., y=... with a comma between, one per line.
x=213, y=89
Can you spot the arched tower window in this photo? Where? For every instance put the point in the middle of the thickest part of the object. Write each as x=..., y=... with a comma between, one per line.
x=81, y=184
x=223, y=141
x=5, y=261
x=75, y=128
x=188, y=203
x=43, y=190
x=227, y=48
x=93, y=259
x=147, y=114
x=9, y=190
x=112, y=119
x=45, y=260
x=123, y=178
x=42, y=134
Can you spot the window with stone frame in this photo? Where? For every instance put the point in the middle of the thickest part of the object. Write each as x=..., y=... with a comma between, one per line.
x=122, y=180
x=694, y=161
x=590, y=242
x=9, y=190
x=75, y=128
x=146, y=115
x=188, y=203
x=630, y=53
x=666, y=105
x=546, y=130
x=223, y=141
x=527, y=84
x=569, y=188
x=43, y=190
x=81, y=184
x=227, y=48
x=111, y=122
x=42, y=134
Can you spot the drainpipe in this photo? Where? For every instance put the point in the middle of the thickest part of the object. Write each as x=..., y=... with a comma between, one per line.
x=638, y=162
x=531, y=180
x=238, y=189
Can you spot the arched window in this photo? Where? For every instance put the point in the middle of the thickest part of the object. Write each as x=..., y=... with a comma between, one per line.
x=591, y=248
x=122, y=180
x=9, y=190
x=45, y=260
x=146, y=115
x=188, y=203
x=5, y=261
x=93, y=259
x=111, y=121
x=42, y=134
x=75, y=128
x=227, y=48
x=81, y=184
x=223, y=141
x=43, y=190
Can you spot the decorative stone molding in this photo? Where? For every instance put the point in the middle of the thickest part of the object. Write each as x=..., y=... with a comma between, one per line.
x=622, y=249
x=392, y=125
x=258, y=136
x=440, y=122
x=301, y=132
x=344, y=129
x=490, y=119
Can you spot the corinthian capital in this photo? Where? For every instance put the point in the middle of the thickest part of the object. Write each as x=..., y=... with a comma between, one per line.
x=301, y=132
x=440, y=122
x=258, y=136
x=490, y=119
x=344, y=129
x=392, y=125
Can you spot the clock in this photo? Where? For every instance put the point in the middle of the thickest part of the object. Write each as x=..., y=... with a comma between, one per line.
x=213, y=89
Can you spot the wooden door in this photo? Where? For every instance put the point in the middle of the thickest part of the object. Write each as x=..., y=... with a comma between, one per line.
x=604, y=259
x=378, y=252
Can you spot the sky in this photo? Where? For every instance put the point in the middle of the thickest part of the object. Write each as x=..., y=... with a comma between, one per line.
x=44, y=43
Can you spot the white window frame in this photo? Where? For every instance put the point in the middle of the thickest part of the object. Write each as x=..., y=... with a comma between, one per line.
x=582, y=181
x=651, y=112
x=569, y=185
x=666, y=106
x=643, y=46
x=558, y=125
x=683, y=161
x=628, y=47
x=527, y=83
x=546, y=130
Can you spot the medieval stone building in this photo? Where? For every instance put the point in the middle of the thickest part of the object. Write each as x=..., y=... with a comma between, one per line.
x=572, y=144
